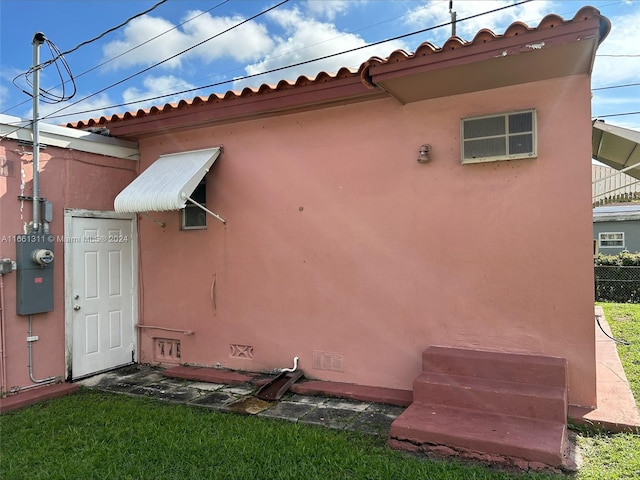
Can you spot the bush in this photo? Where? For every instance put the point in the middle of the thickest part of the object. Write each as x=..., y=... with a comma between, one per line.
x=617, y=278
x=623, y=259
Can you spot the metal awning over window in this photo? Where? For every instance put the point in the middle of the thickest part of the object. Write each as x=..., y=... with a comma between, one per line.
x=168, y=183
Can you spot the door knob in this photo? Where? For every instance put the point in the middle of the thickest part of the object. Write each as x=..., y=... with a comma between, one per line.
x=77, y=307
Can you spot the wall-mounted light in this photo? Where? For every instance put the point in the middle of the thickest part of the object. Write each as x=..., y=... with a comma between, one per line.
x=423, y=156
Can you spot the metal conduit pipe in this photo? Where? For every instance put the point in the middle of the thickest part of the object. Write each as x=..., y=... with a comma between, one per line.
x=30, y=340
x=3, y=344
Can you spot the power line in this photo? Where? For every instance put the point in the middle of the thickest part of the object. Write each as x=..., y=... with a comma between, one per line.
x=618, y=114
x=131, y=49
x=246, y=77
x=617, y=86
x=106, y=32
x=52, y=114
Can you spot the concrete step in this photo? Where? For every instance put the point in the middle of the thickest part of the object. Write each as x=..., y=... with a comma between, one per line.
x=490, y=395
x=468, y=431
x=509, y=367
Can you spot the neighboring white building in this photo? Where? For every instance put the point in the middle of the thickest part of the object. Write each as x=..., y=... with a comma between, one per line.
x=611, y=186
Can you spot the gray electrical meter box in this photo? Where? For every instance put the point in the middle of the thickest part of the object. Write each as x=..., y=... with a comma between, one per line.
x=34, y=258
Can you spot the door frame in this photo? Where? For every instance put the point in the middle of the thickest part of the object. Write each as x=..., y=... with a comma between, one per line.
x=69, y=215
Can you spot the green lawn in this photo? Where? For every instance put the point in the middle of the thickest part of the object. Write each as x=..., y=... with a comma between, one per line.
x=96, y=435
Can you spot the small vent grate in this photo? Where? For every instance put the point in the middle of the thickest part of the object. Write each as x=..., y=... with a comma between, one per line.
x=241, y=351
x=328, y=361
x=167, y=350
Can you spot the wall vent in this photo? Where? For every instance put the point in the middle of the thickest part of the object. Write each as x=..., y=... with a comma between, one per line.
x=166, y=350
x=241, y=351
x=328, y=361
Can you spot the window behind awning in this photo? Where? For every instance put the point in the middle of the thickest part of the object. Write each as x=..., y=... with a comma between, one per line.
x=168, y=183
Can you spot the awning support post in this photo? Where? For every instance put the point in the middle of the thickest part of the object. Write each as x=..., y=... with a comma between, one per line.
x=207, y=210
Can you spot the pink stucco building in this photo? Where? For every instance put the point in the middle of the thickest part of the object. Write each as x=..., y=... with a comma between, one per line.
x=338, y=246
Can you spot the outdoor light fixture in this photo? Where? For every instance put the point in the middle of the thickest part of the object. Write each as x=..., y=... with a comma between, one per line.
x=423, y=157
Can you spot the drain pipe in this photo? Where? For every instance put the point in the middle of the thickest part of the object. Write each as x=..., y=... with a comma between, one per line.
x=295, y=366
x=30, y=339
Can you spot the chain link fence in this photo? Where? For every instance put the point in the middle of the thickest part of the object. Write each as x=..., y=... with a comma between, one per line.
x=619, y=284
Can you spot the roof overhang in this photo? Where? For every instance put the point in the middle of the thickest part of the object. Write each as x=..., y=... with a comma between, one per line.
x=168, y=183
x=521, y=56
x=70, y=138
x=555, y=48
x=616, y=147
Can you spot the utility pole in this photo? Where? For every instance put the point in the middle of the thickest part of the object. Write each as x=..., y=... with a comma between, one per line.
x=38, y=40
x=453, y=19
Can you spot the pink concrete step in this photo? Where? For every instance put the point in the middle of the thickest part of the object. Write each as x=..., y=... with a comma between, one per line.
x=36, y=395
x=509, y=367
x=468, y=430
x=211, y=375
x=490, y=395
x=509, y=408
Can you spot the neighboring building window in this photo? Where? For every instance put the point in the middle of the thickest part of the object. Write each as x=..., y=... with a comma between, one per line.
x=193, y=217
x=611, y=240
x=506, y=136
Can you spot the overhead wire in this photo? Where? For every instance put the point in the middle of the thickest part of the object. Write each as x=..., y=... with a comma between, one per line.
x=616, y=86
x=98, y=37
x=49, y=96
x=52, y=114
x=277, y=69
x=132, y=48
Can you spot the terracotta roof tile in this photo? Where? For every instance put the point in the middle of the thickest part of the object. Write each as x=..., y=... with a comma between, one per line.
x=453, y=43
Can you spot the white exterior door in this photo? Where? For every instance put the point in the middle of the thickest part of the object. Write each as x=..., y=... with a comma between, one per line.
x=101, y=293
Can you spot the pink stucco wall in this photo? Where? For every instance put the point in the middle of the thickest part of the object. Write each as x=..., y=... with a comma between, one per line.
x=338, y=241
x=70, y=179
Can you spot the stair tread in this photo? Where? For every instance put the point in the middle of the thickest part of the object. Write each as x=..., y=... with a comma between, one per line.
x=515, y=436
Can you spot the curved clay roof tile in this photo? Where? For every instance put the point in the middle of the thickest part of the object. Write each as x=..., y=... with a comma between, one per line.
x=550, y=21
x=453, y=43
x=397, y=56
x=515, y=29
x=425, y=48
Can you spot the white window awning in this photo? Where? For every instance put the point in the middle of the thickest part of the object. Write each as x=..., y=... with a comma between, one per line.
x=168, y=183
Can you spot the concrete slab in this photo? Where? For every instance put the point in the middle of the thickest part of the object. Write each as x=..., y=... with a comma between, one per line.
x=213, y=375
x=376, y=420
x=291, y=411
x=337, y=418
x=215, y=400
x=616, y=410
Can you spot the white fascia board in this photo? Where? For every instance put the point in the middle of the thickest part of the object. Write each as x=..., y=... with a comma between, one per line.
x=64, y=137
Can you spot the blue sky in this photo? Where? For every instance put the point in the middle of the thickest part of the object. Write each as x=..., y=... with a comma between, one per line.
x=294, y=32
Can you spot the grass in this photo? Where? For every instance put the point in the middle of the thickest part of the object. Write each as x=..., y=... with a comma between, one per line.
x=96, y=435
x=617, y=456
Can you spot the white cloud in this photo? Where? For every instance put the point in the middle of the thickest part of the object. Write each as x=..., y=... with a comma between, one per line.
x=4, y=96
x=244, y=43
x=307, y=39
x=155, y=87
x=623, y=39
x=136, y=33
x=327, y=8
x=433, y=13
